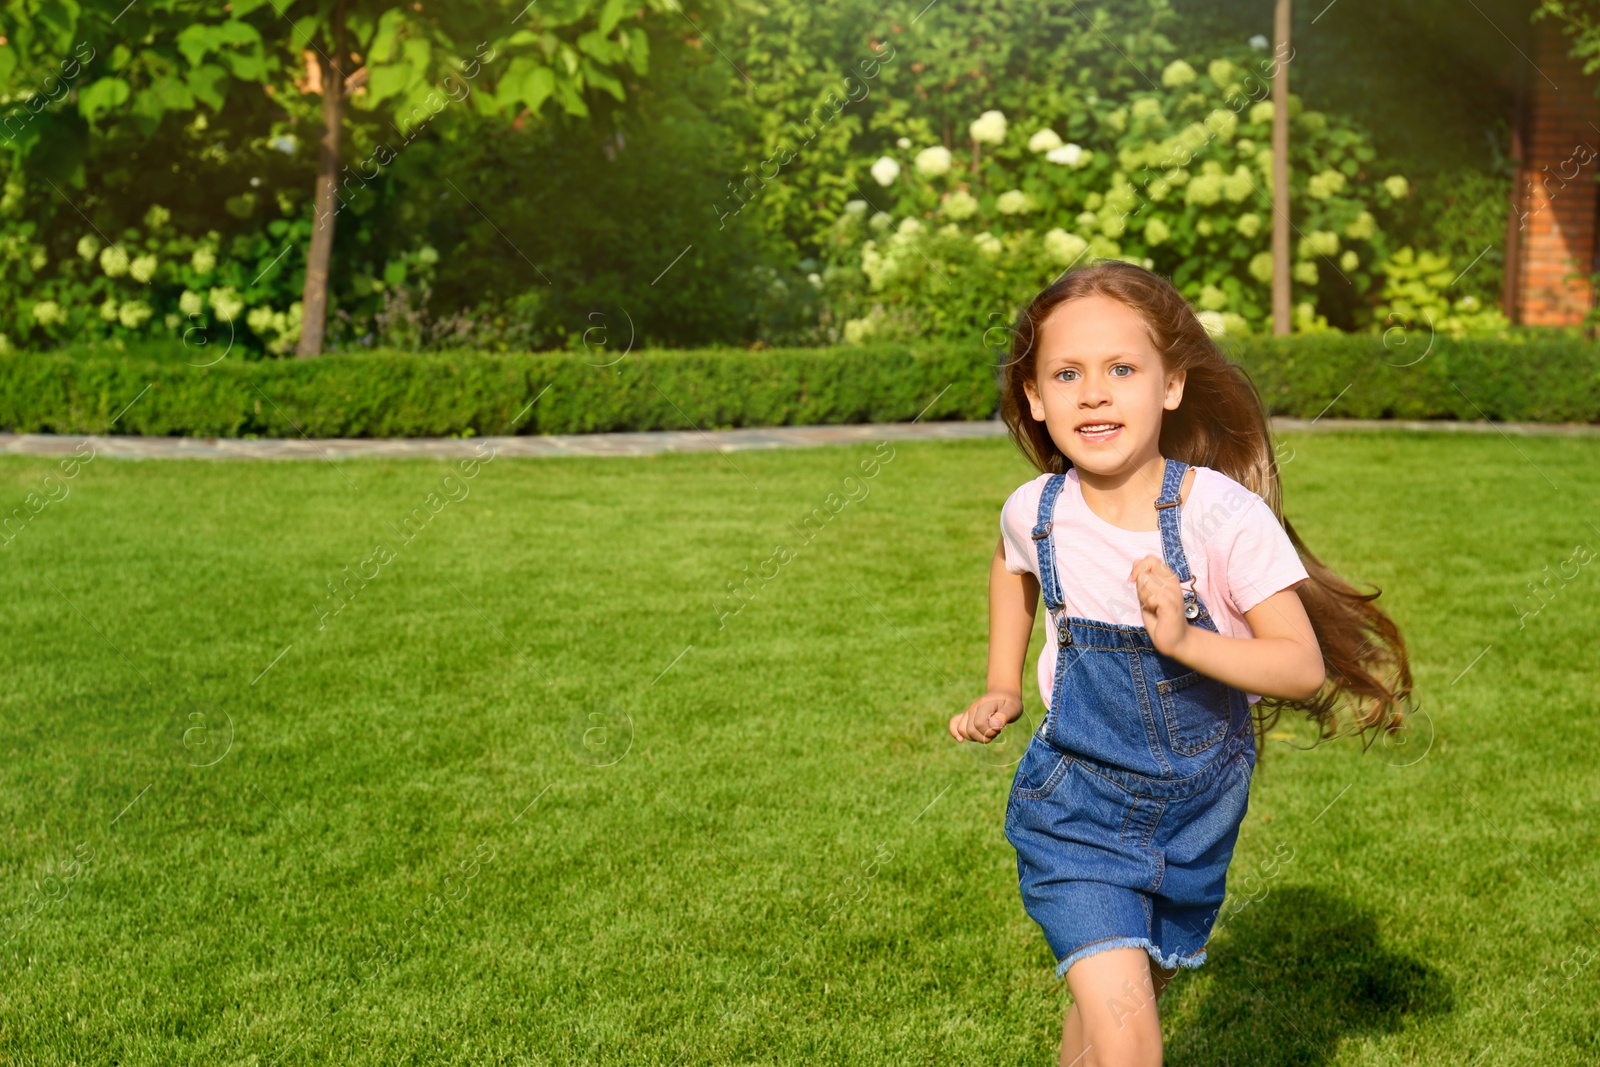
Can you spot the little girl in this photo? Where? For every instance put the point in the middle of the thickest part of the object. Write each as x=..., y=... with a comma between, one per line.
x=1177, y=596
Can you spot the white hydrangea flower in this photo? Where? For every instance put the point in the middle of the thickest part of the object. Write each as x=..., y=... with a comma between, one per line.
x=1203, y=189
x=1238, y=186
x=1155, y=231
x=814, y=280
x=932, y=162
x=949, y=229
x=855, y=207
x=1221, y=72
x=1063, y=247
x=1146, y=107
x=49, y=313
x=156, y=217
x=133, y=314
x=1325, y=184
x=1259, y=42
x=858, y=331
x=109, y=310
x=1248, y=224
x=1213, y=323
x=1222, y=122
x=1261, y=266
x=903, y=142
x=1305, y=272
x=1235, y=323
x=885, y=171
x=259, y=319
x=1318, y=243
x=1204, y=228
x=1068, y=155
x=1212, y=298
x=1178, y=73
x=1045, y=140
x=88, y=246
x=143, y=268
x=1087, y=220
x=204, y=260
x=988, y=128
x=38, y=258
x=226, y=303
x=1011, y=202
x=190, y=303
x=114, y=261
x=959, y=205
x=1261, y=112
x=909, y=227
x=881, y=221
x=1349, y=261
x=987, y=243
x=1362, y=228
x=1398, y=187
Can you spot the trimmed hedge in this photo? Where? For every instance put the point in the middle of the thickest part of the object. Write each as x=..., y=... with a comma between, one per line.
x=1524, y=376
x=396, y=394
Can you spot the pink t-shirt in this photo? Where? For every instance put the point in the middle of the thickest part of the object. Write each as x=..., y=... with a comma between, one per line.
x=1238, y=553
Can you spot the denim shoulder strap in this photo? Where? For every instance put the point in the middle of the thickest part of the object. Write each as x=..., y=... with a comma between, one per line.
x=1167, y=517
x=1044, y=544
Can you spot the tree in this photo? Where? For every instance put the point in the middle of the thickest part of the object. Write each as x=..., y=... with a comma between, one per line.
x=404, y=62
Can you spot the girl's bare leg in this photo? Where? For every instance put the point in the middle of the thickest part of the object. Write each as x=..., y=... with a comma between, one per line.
x=1072, y=1038
x=1113, y=1020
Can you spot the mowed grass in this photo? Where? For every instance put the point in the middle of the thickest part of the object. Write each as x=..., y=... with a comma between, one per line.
x=530, y=799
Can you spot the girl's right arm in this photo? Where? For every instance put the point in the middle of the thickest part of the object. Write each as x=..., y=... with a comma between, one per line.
x=1013, y=599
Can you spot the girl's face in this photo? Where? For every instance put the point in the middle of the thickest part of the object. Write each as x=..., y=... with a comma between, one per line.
x=1099, y=385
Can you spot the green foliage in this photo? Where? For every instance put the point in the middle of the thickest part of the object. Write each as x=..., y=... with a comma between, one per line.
x=1518, y=375
x=1176, y=177
x=1414, y=289
x=391, y=394
x=1521, y=375
x=101, y=105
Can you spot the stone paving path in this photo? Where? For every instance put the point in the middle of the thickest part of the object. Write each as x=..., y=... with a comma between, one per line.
x=644, y=444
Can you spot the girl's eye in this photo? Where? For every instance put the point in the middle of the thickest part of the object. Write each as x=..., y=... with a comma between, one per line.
x=1068, y=374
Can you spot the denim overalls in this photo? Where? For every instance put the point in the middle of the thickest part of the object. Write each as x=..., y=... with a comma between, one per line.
x=1127, y=802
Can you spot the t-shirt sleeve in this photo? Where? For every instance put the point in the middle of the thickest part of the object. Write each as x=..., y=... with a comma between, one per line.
x=1261, y=558
x=1016, y=531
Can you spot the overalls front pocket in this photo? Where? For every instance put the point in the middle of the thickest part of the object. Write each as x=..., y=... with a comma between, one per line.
x=1194, y=707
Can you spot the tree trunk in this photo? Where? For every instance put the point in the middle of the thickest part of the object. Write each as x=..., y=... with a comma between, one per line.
x=314, y=298
x=1281, y=320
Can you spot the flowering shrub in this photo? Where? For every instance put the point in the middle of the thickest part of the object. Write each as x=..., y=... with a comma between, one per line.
x=1414, y=296
x=202, y=293
x=1177, y=178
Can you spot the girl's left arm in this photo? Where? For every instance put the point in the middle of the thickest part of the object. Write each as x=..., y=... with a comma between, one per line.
x=1282, y=660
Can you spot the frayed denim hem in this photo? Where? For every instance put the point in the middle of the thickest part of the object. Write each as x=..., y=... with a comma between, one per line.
x=1167, y=963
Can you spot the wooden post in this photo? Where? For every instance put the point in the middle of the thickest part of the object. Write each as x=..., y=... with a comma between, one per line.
x=1281, y=319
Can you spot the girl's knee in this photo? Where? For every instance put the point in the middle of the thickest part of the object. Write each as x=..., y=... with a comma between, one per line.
x=1126, y=1048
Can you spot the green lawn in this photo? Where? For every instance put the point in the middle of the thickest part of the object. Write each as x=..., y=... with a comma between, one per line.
x=420, y=846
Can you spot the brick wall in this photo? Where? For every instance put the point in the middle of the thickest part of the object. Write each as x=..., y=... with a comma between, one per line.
x=1557, y=191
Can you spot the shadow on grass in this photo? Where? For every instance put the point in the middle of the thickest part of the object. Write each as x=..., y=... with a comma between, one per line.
x=1294, y=974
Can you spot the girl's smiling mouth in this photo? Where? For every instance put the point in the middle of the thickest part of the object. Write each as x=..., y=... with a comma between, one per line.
x=1099, y=431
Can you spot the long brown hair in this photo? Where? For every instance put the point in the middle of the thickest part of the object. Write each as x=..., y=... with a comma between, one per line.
x=1222, y=424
